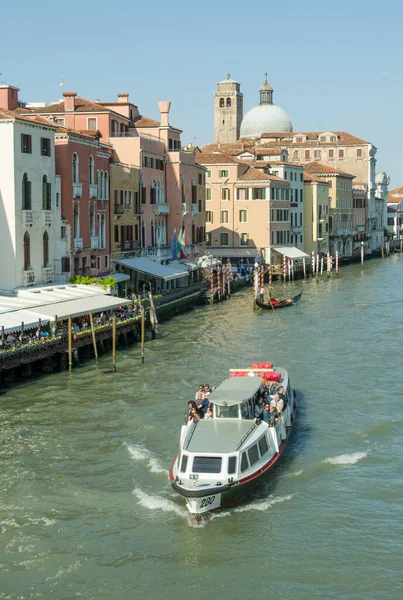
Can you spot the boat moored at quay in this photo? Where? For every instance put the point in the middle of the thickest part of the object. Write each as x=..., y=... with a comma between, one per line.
x=220, y=458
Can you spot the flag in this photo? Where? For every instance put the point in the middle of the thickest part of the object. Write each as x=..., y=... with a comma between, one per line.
x=182, y=243
x=174, y=247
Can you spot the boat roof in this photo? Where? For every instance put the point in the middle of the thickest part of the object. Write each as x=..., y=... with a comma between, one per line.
x=218, y=436
x=235, y=390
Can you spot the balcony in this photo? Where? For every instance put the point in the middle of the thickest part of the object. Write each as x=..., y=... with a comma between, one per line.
x=192, y=249
x=28, y=277
x=77, y=190
x=128, y=207
x=47, y=275
x=360, y=228
x=162, y=208
x=94, y=242
x=93, y=190
x=27, y=217
x=161, y=252
x=129, y=245
x=296, y=228
x=77, y=244
x=195, y=209
x=47, y=217
x=119, y=209
x=185, y=209
x=138, y=209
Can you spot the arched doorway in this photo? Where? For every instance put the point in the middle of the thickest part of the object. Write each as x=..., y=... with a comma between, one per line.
x=45, y=249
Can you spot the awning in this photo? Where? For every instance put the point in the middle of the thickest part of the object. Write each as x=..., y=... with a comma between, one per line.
x=75, y=308
x=236, y=252
x=208, y=262
x=118, y=276
x=290, y=252
x=155, y=269
x=11, y=321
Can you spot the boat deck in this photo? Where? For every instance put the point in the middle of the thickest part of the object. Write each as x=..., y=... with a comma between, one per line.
x=218, y=435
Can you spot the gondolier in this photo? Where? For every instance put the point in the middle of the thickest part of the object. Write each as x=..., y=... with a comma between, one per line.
x=261, y=294
x=274, y=303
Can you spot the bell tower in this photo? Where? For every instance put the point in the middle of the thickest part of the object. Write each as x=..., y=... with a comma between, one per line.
x=228, y=111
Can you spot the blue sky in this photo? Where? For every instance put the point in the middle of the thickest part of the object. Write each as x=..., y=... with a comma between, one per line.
x=335, y=66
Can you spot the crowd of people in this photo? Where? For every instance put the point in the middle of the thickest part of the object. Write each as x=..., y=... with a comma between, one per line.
x=269, y=406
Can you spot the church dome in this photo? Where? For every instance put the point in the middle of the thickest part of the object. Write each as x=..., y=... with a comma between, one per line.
x=266, y=117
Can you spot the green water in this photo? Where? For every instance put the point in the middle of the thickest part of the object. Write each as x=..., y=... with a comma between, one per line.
x=86, y=508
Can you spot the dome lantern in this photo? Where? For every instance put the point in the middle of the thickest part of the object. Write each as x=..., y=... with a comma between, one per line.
x=266, y=93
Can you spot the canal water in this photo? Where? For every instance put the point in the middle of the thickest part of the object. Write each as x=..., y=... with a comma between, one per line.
x=86, y=508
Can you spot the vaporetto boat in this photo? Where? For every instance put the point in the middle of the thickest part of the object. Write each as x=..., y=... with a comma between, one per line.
x=220, y=458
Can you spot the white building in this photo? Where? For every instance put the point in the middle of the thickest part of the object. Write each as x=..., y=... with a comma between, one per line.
x=30, y=207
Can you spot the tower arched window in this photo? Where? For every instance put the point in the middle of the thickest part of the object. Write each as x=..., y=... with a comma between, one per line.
x=45, y=242
x=106, y=182
x=46, y=194
x=222, y=102
x=102, y=185
x=228, y=102
x=75, y=173
x=26, y=193
x=91, y=170
x=27, y=251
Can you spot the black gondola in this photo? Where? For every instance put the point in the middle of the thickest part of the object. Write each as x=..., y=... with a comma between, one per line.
x=275, y=304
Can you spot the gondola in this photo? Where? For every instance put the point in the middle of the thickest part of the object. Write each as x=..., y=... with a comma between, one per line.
x=275, y=304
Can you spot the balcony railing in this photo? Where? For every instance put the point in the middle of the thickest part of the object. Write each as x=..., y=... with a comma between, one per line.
x=28, y=277
x=94, y=242
x=185, y=209
x=27, y=217
x=192, y=249
x=47, y=275
x=360, y=228
x=162, y=208
x=47, y=216
x=119, y=209
x=157, y=251
x=129, y=245
x=77, y=244
x=138, y=209
x=195, y=209
x=296, y=228
x=128, y=207
x=93, y=190
x=77, y=190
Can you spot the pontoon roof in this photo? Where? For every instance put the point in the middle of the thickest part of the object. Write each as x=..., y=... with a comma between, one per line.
x=218, y=435
x=235, y=390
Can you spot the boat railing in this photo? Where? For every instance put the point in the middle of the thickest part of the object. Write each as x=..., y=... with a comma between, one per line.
x=245, y=437
x=191, y=432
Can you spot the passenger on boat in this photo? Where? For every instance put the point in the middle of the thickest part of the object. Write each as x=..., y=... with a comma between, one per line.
x=202, y=403
x=266, y=413
x=274, y=302
x=207, y=390
x=209, y=413
x=282, y=396
x=259, y=409
x=273, y=416
x=277, y=403
x=245, y=412
x=192, y=410
x=200, y=391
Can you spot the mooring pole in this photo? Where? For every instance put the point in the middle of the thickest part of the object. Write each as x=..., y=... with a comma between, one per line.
x=70, y=344
x=142, y=332
x=94, y=342
x=114, y=343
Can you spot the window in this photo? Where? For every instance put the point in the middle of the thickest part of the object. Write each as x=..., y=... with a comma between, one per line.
x=208, y=193
x=317, y=154
x=225, y=239
x=244, y=239
x=57, y=199
x=307, y=154
x=223, y=173
x=208, y=173
x=295, y=155
x=225, y=194
x=208, y=238
x=75, y=168
x=207, y=464
x=184, y=463
x=91, y=170
x=46, y=194
x=242, y=194
x=231, y=465
x=26, y=143
x=92, y=123
x=98, y=263
x=26, y=193
x=299, y=140
x=301, y=177
x=209, y=216
x=224, y=216
x=116, y=234
x=106, y=262
x=45, y=242
x=244, y=462
x=253, y=454
x=332, y=138
x=331, y=153
x=45, y=146
x=65, y=264
x=228, y=102
x=243, y=216
x=359, y=152
x=258, y=193
x=341, y=153
x=63, y=232
x=323, y=138
x=301, y=196
x=285, y=175
x=27, y=251
x=222, y=103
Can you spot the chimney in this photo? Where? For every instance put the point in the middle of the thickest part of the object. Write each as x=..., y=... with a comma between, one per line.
x=123, y=98
x=8, y=97
x=69, y=101
x=164, y=110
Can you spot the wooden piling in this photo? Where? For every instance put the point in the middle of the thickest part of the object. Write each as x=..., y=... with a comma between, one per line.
x=114, y=343
x=2, y=336
x=382, y=252
x=70, y=344
x=304, y=267
x=142, y=333
x=94, y=341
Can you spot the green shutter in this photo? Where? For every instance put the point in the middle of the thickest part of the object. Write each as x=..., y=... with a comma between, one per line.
x=49, y=196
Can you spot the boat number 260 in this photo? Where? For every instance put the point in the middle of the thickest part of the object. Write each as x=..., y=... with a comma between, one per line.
x=207, y=501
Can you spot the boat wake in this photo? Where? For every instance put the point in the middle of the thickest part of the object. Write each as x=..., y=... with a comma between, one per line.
x=159, y=503
x=138, y=453
x=263, y=505
x=346, y=459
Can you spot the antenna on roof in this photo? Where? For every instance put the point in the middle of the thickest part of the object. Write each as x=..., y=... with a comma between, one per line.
x=62, y=85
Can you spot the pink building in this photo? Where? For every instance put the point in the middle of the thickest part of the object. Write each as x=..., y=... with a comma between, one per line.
x=360, y=216
x=83, y=164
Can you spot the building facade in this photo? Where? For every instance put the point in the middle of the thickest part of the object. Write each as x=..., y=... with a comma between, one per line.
x=395, y=214
x=125, y=211
x=316, y=215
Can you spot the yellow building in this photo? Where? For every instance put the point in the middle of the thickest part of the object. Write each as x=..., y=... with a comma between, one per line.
x=341, y=211
x=125, y=215
x=316, y=214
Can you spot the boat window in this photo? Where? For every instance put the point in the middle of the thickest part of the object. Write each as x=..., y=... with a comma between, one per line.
x=231, y=465
x=184, y=463
x=207, y=464
x=263, y=447
x=227, y=412
x=253, y=454
x=244, y=462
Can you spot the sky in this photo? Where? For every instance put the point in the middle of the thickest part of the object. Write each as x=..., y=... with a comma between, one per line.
x=333, y=66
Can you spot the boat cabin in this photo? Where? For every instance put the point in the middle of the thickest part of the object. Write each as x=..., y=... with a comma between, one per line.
x=233, y=394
